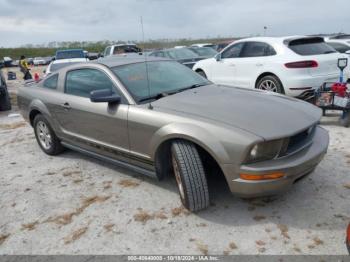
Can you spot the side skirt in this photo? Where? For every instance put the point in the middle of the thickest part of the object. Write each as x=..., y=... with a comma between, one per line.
x=112, y=161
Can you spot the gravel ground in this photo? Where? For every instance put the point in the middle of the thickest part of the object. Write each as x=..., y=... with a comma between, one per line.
x=73, y=204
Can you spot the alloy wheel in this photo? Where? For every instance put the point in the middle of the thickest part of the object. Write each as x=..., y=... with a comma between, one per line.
x=44, y=135
x=268, y=85
x=178, y=178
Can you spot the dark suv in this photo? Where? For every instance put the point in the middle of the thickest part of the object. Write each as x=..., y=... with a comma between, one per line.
x=5, y=103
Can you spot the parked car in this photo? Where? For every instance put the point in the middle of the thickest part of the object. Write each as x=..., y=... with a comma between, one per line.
x=184, y=56
x=61, y=63
x=70, y=54
x=39, y=61
x=164, y=119
x=48, y=59
x=294, y=66
x=7, y=61
x=204, y=45
x=5, y=101
x=121, y=49
x=340, y=43
x=15, y=63
x=206, y=52
x=30, y=61
x=221, y=45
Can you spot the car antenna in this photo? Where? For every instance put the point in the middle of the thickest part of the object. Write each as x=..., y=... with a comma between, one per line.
x=146, y=64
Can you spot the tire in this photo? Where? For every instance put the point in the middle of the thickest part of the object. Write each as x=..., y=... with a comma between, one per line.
x=201, y=73
x=190, y=175
x=5, y=101
x=270, y=83
x=46, y=137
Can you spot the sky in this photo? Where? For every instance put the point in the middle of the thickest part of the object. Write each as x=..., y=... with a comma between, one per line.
x=42, y=21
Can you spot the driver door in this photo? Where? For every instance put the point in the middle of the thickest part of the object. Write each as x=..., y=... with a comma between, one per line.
x=224, y=71
x=100, y=127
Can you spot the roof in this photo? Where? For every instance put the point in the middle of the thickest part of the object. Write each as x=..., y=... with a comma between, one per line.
x=112, y=61
x=276, y=40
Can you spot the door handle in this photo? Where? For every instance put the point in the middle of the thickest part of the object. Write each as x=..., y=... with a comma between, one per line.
x=259, y=64
x=233, y=65
x=66, y=106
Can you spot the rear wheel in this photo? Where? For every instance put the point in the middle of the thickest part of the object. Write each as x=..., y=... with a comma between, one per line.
x=190, y=175
x=46, y=137
x=270, y=83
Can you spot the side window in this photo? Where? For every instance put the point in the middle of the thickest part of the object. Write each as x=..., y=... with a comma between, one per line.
x=51, y=82
x=257, y=49
x=82, y=81
x=341, y=48
x=232, y=51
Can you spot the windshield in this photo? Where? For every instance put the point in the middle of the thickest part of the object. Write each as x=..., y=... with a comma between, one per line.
x=205, y=51
x=70, y=54
x=58, y=66
x=181, y=53
x=163, y=76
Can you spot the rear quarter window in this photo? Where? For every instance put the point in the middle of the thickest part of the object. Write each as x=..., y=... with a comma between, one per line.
x=51, y=82
x=310, y=46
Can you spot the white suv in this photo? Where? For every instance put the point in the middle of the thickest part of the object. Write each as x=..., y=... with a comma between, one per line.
x=294, y=66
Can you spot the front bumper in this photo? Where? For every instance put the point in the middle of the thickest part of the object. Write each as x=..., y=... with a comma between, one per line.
x=293, y=166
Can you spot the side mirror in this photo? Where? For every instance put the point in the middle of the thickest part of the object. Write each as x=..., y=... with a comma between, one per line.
x=347, y=52
x=44, y=71
x=104, y=96
x=53, y=58
x=218, y=57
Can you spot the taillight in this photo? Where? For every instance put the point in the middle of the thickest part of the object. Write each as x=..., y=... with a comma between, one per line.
x=348, y=235
x=302, y=64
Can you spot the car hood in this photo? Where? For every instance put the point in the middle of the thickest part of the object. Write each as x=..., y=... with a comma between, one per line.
x=265, y=114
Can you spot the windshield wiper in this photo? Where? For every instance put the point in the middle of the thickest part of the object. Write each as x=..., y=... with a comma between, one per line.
x=191, y=87
x=154, y=97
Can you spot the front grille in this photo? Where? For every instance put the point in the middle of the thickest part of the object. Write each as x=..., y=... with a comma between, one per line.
x=297, y=142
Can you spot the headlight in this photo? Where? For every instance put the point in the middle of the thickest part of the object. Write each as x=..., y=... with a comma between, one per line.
x=265, y=151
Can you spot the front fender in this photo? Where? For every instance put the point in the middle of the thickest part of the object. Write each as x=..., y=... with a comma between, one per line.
x=193, y=133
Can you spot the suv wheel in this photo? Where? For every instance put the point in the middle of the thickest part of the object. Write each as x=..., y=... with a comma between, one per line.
x=270, y=83
x=46, y=137
x=190, y=175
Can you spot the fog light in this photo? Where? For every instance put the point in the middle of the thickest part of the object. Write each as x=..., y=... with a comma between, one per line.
x=269, y=176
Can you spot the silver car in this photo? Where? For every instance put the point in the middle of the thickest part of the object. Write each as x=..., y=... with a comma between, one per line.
x=160, y=118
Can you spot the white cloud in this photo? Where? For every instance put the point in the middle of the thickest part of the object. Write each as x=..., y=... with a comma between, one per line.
x=38, y=21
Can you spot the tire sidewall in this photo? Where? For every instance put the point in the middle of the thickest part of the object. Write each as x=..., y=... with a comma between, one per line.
x=184, y=199
x=275, y=80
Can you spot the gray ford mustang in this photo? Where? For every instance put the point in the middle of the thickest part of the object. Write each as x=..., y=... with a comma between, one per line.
x=161, y=118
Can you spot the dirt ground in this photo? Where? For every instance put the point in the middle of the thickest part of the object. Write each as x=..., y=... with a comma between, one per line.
x=73, y=204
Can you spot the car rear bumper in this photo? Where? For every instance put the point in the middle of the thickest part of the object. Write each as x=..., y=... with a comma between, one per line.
x=294, y=167
x=296, y=86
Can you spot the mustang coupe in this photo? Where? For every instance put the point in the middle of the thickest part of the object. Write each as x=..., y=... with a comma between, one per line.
x=160, y=118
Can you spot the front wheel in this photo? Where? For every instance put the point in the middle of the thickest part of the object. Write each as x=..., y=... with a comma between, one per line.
x=46, y=137
x=270, y=83
x=190, y=175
